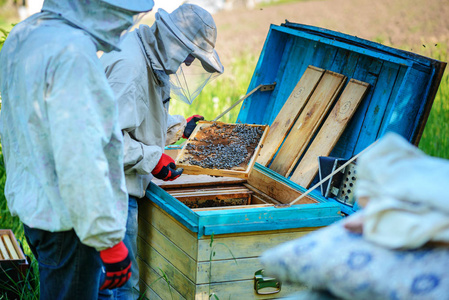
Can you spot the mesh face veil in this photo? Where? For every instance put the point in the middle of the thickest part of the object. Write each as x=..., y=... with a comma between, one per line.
x=189, y=80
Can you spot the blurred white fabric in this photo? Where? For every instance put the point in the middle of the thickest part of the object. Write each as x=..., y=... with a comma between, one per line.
x=407, y=190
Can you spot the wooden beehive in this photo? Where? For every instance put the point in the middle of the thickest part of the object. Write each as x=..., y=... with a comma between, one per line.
x=214, y=250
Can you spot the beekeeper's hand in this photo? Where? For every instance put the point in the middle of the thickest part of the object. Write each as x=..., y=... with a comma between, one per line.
x=117, y=264
x=191, y=124
x=166, y=169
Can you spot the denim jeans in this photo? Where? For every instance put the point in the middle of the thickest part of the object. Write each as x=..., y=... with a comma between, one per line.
x=68, y=269
x=131, y=289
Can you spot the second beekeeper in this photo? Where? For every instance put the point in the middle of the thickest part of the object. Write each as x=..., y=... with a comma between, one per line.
x=175, y=56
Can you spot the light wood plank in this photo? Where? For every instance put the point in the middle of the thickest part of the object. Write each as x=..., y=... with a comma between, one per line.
x=308, y=122
x=9, y=246
x=261, y=197
x=152, y=258
x=3, y=250
x=232, y=207
x=186, y=180
x=330, y=132
x=171, y=251
x=227, y=270
x=245, y=246
x=289, y=113
x=169, y=227
x=147, y=292
x=201, y=189
x=275, y=189
x=211, y=193
x=259, y=200
x=154, y=280
x=243, y=289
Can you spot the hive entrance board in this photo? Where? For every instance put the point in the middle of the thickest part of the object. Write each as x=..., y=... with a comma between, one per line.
x=221, y=149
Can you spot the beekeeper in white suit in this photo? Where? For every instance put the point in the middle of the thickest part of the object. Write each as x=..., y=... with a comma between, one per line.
x=174, y=56
x=62, y=145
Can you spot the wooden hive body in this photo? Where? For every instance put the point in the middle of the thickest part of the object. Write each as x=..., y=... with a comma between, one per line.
x=205, y=251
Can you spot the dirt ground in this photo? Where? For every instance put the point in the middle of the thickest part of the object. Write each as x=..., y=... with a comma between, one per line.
x=397, y=23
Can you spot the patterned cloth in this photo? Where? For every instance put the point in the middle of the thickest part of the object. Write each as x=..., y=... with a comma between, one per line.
x=348, y=266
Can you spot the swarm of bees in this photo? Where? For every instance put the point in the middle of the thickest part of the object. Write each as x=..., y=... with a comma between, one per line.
x=222, y=146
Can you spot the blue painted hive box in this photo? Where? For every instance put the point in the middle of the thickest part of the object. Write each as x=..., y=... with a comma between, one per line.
x=204, y=251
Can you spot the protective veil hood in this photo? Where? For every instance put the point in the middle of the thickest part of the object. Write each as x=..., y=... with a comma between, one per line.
x=165, y=51
x=104, y=20
x=195, y=28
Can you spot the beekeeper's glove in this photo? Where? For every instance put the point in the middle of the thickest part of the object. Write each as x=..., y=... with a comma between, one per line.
x=166, y=169
x=117, y=264
x=191, y=124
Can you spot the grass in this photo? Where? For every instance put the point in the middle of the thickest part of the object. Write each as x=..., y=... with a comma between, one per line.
x=435, y=138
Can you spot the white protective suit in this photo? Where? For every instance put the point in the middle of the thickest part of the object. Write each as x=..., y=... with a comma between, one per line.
x=139, y=77
x=61, y=141
x=143, y=116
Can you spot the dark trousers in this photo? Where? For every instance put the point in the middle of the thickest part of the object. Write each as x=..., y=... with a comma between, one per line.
x=68, y=269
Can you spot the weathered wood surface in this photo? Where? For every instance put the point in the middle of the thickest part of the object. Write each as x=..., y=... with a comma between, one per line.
x=274, y=188
x=308, y=122
x=245, y=245
x=256, y=205
x=289, y=113
x=3, y=250
x=243, y=289
x=10, y=247
x=156, y=261
x=186, y=180
x=260, y=196
x=154, y=284
x=168, y=226
x=330, y=132
x=167, y=248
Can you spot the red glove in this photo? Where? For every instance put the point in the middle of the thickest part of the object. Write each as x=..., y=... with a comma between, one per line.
x=191, y=124
x=117, y=263
x=166, y=169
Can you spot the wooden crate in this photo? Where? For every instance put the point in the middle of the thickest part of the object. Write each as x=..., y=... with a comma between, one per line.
x=201, y=251
x=13, y=263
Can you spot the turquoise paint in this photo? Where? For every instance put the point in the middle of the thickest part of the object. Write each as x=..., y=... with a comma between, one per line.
x=377, y=106
x=338, y=44
x=408, y=103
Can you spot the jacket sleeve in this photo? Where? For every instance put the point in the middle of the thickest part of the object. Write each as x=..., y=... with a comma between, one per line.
x=139, y=158
x=88, y=148
x=136, y=115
